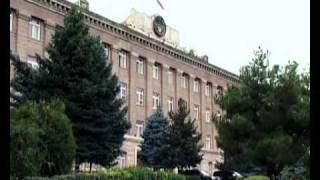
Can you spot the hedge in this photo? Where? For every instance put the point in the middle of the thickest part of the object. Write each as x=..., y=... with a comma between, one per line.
x=254, y=178
x=116, y=174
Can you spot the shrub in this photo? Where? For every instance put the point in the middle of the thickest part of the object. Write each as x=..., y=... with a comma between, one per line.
x=117, y=174
x=41, y=140
x=254, y=178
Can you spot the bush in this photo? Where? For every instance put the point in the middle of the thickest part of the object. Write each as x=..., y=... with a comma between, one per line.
x=254, y=178
x=117, y=174
x=297, y=172
x=41, y=140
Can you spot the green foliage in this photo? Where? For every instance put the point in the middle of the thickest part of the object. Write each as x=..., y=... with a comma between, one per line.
x=181, y=146
x=153, y=135
x=117, y=174
x=295, y=172
x=78, y=73
x=254, y=178
x=41, y=140
x=267, y=116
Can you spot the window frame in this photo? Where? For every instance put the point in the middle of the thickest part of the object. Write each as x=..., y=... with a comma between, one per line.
x=155, y=100
x=32, y=62
x=140, y=96
x=207, y=115
x=34, y=24
x=183, y=81
x=196, y=112
x=207, y=90
x=139, y=129
x=170, y=104
x=170, y=77
x=208, y=143
x=155, y=72
x=196, y=85
x=122, y=56
x=140, y=66
x=123, y=88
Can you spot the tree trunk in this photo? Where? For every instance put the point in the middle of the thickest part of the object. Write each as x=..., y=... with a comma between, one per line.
x=90, y=167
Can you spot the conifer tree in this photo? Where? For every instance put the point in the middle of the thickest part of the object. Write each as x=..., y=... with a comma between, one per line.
x=156, y=128
x=78, y=72
x=181, y=145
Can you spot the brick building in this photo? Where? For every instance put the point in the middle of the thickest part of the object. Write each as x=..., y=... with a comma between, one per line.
x=146, y=56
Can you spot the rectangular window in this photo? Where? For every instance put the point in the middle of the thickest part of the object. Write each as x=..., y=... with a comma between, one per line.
x=220, y=89
x=183, y=81
x=139, y=127
x=140, y=96
x=11, y=20
x=208, y=142
x=170, y=77
x=196, y=86
x=34, y=29
x=107, y=50
x=207, y=115
x=123, y=59
x=207, y=90
x=123, y=90
x=32, y=62
x=170, y=104
x=196, y=112
x=155, y=73
x=155, y=100
x=139, y=65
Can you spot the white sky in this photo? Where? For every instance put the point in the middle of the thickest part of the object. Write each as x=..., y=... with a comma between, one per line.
x=228, y=31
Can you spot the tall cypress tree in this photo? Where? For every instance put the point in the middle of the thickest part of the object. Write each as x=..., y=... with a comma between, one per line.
x=181, y=146
x=156, y=128
x=78, y=73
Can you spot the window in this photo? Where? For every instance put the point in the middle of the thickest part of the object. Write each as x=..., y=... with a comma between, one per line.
x=34, y=29
x=208, y=115
x=155, y=100
x=123, y=59
x=32, y=62
x=140, y=96
x=139, y=65
x=123, y=90
x=207, y=90
x=122, y=161
x=139, y=127
x=170, y=104
x=170, y=77
x=196, y=86
x=11, y=20
x=183, y=81
x=106, y=50
x=220, y=89
x=155, y=73
x=196, y=112
x=208, y=142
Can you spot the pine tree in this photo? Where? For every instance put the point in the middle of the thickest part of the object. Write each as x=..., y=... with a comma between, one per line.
x=181, y=146
x=78, y=73
x=157, y=125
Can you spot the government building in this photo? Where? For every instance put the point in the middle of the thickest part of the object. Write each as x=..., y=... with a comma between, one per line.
x=152, y=67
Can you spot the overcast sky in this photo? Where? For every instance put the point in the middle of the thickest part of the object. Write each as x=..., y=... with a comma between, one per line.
x=228, y=31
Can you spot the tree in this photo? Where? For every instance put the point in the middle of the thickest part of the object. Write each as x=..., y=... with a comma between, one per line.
x=267, y=116
x=78, y=72
x=181, y=146
x=156, y=128
x=41, y=140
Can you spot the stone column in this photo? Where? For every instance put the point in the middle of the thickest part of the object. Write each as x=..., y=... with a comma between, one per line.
x=149, y=70
x=132, y=90
x=178, y=88
x=164, y=85
x=191, y=94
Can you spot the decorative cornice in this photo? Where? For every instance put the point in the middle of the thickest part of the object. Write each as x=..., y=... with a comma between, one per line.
x=180, y=71
x=134, y=54
x=192, y=76
x=166, y=66
x=124, y=32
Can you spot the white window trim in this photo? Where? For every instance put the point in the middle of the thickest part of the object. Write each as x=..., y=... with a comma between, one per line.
x=155, y=73
x=32, y=61
x=196, y=86
x=140, y=97
x=33, y=26
x=170, y=105
x=170, y=77
x=183, y=82
x=155, y=101
x=122, y=60
x=208, y=144
x=207, y=90
x=196, y=110
x=207, y=115
x=140, y=64
x=123, y=90
x=139, y=130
